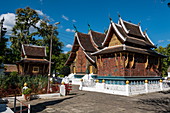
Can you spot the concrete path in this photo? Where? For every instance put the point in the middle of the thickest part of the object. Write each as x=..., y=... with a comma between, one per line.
x=93, y=102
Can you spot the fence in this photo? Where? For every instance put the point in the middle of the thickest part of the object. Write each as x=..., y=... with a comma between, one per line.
x=133, y=88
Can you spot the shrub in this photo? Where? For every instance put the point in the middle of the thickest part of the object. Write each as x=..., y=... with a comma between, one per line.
x=27, y=91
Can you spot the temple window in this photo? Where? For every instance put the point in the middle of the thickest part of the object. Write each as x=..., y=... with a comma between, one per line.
x=35, y=69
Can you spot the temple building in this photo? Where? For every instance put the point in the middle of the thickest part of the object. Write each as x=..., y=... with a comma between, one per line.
x=80, y=60
x=33, y=60
x=125, y=52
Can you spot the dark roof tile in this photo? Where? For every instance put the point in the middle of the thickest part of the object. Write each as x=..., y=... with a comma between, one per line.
x=35, y=51
x=98, y=38
x=85, y=42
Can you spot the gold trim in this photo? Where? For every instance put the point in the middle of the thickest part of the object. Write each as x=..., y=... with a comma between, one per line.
x=116, y=59
x=127, y=60
x=132, y=62
x=146, y=64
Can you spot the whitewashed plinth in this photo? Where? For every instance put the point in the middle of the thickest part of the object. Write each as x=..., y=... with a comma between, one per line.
x=62, y=90
x=127, y=89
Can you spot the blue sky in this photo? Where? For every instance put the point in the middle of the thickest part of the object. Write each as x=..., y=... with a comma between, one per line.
x=153, y=15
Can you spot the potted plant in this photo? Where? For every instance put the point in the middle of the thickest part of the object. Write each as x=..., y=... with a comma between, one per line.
x=27, y=94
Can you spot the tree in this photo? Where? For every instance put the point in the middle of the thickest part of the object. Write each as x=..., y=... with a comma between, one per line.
x=59, y=62
x=167, y=3
x=3, y=41
x=26, y=20
x=47, y=32
x=165, y=61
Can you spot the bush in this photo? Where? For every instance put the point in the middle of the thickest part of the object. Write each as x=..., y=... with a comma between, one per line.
x=27, y=91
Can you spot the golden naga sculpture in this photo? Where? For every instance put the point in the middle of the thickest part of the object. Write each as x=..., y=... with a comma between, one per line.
x=101, y=63
x=121, y=60
x=158, y=63
x=146, y=64
x=131, y=63
x=116, y=59
x=127, y=60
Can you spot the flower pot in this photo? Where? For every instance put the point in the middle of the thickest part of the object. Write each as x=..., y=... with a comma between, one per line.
x=27, y=97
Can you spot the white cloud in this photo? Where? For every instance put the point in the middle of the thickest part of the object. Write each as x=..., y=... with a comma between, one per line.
x=9, y=21
x=69, y=30
x=168, y=40
x=160, y=41
x=68, y=46
x=40, y=13
x=74, y=21
x=65, y=52
x=65, y=18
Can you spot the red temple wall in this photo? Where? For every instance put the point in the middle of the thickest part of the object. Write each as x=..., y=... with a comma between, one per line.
x=109, y=66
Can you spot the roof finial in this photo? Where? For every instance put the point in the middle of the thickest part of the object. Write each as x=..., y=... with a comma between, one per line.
x=118, y=14
x=139, y=23
x=2, y=20
x=75, y=28
x=89, y=28
x=145, y=30
x=110, y=19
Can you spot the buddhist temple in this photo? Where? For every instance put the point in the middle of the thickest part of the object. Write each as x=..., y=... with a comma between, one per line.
x=33, y=60
x=125, y=52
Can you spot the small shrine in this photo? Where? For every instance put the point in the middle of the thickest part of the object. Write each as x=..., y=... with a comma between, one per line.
x=33, y=60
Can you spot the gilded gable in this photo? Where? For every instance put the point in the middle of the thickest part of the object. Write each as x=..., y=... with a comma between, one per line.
x=114, y=41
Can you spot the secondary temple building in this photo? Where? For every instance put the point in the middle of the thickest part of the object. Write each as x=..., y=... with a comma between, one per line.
x=33, y=60
x=125, y=52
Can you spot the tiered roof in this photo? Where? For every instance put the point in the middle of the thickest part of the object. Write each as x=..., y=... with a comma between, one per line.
x=89, y=44
x=130, y=35
x=33, y=53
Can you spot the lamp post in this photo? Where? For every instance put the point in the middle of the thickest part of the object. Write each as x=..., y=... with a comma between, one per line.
x=49, y=70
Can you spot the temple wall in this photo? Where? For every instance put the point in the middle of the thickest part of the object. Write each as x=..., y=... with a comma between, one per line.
x=80, y=62
x=111, y=66
x=136, y=66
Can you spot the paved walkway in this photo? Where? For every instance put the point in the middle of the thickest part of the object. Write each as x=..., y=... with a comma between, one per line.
x=92, y=102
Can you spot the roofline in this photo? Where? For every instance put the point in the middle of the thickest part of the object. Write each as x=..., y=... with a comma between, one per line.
x=89, y=57
x=93, y=40
x=146, y=35
x=125, y=29
x=141, y=31
x=34, y=45
x=69, y=58
x=108, y=48
x=120, y=35
x=79, y=41
x=106, y=35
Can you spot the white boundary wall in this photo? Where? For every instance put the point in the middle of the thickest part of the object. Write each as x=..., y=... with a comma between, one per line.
x=127, y=89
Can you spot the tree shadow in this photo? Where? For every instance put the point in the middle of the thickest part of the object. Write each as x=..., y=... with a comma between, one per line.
x=41, y=106
x=158, y=105
x=165, y=92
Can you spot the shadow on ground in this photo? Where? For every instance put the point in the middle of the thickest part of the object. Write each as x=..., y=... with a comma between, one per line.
x=41, y=106
x=158, y=105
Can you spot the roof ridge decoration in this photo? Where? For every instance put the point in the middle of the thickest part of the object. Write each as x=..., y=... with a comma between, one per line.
x=147, y=37
x=124, y=27
x=33, y=45
x=79, y=40
x=89, y=28
x=75, y=28
x=123, y=45
x=89, y=57
x=91, y=37
x=120, y=35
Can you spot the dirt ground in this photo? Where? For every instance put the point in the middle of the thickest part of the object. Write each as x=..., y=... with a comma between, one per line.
x=93, y=102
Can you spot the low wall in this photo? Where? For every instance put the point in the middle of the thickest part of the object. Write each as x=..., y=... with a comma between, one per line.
x=127, y=89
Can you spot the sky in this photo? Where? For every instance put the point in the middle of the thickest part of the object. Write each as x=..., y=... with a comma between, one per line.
x=153, y=15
